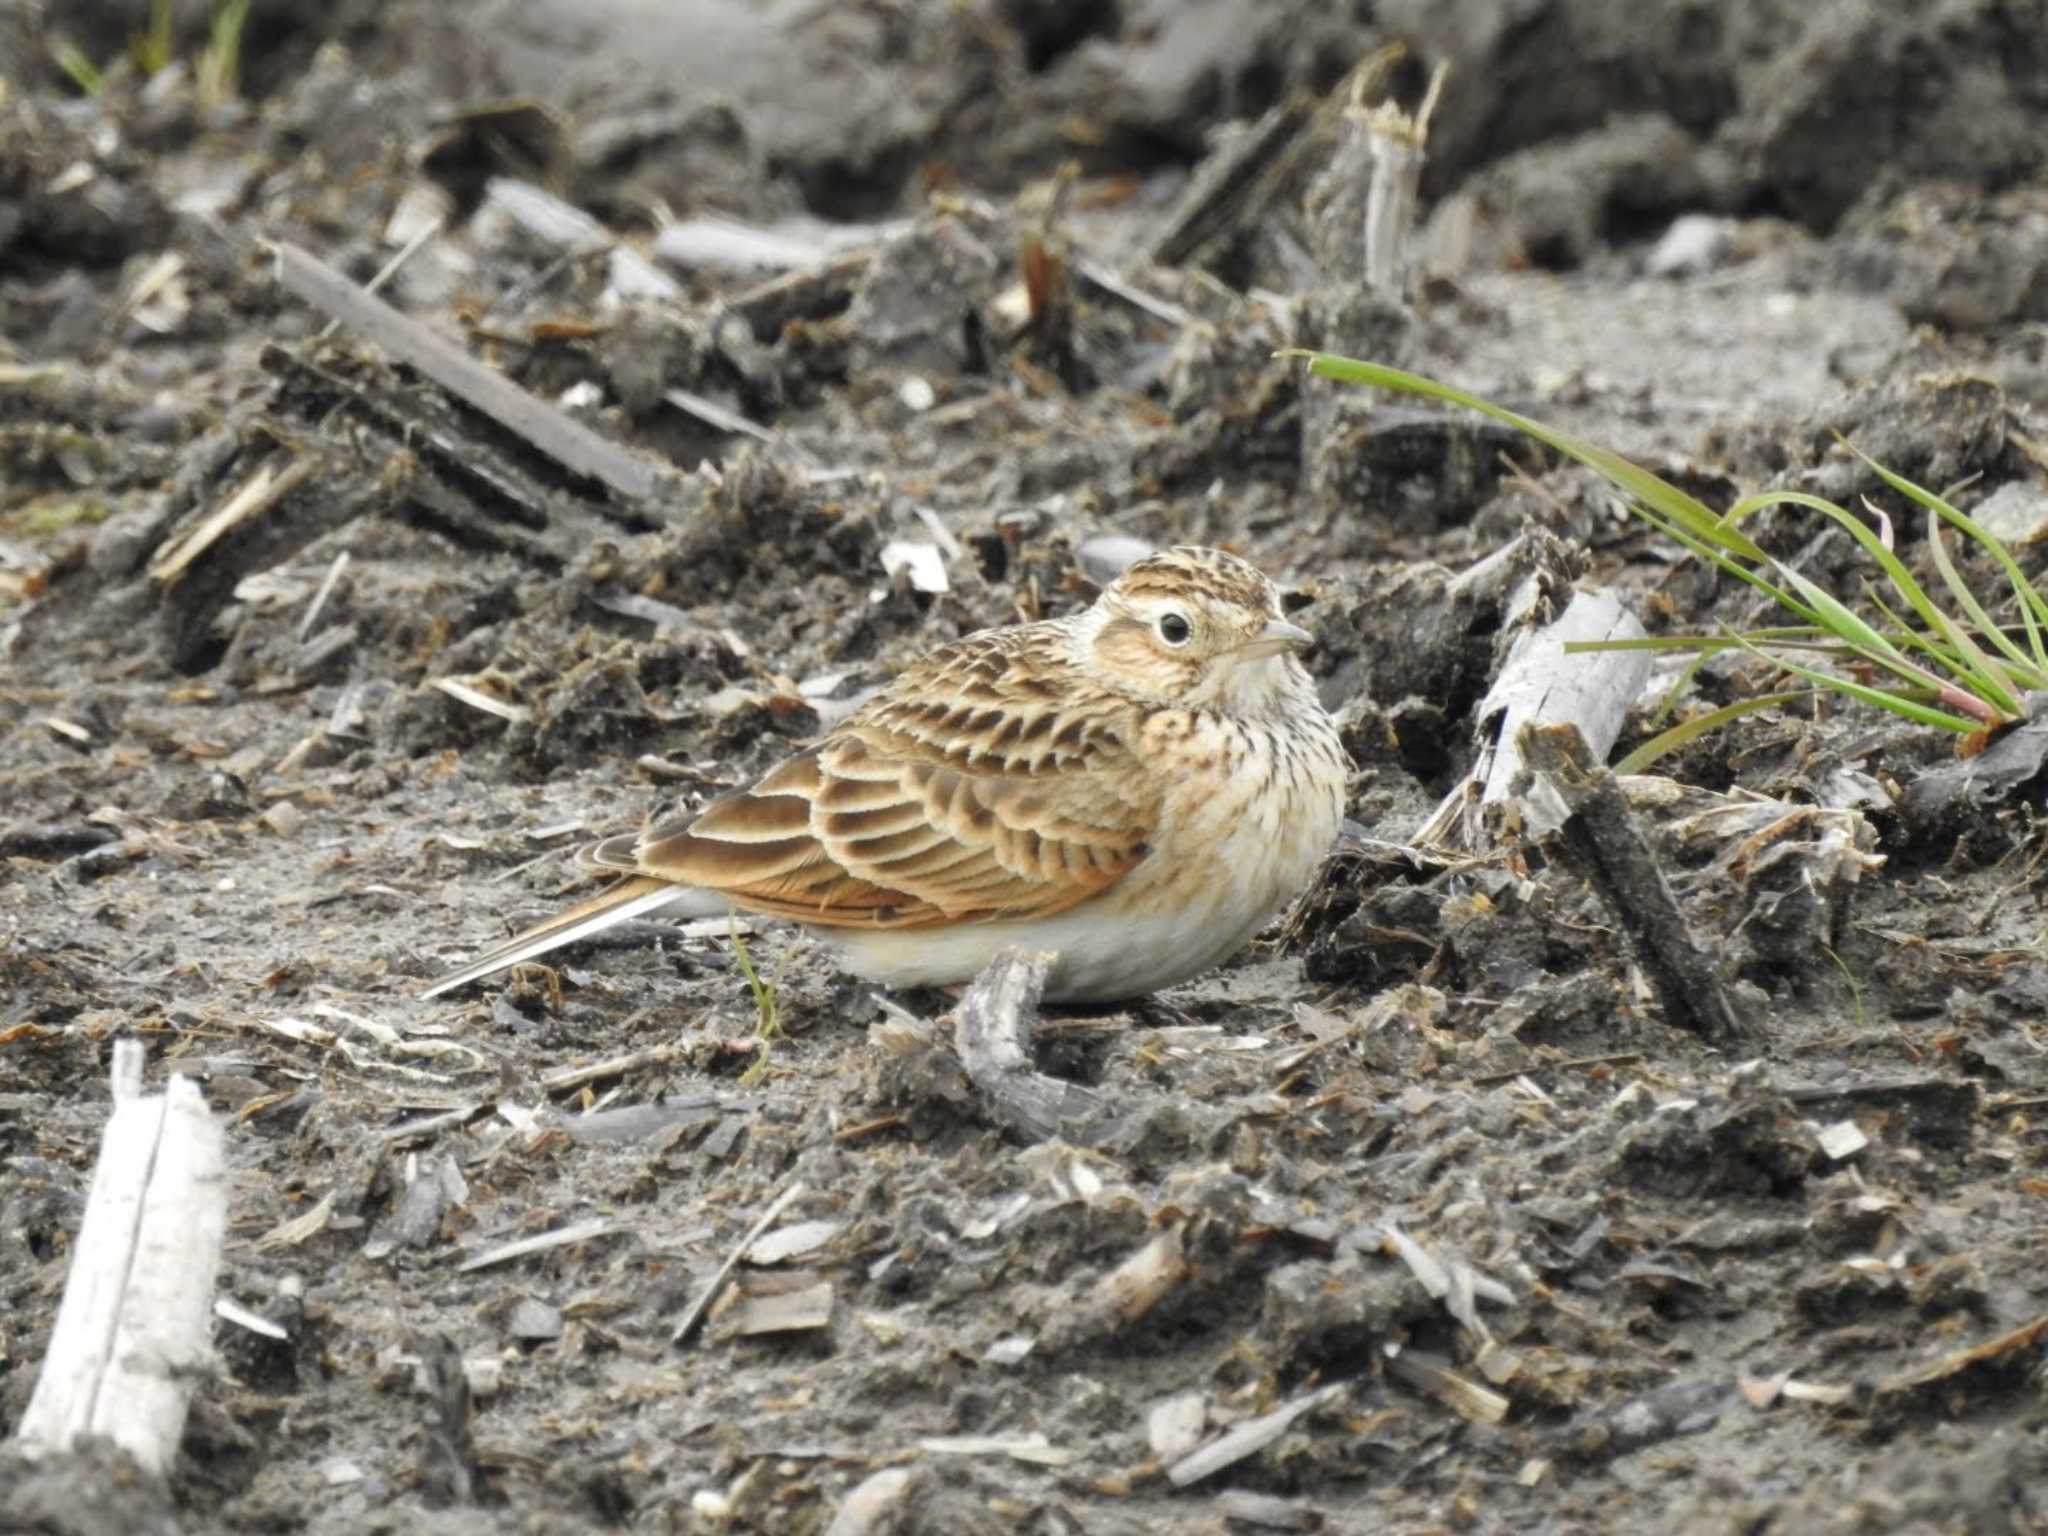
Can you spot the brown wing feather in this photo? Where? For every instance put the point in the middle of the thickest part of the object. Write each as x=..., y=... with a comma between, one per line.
x=983, y=783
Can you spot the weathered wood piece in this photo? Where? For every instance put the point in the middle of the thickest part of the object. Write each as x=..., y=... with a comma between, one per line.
x=553, y=432
x=1607, y=845
x=992, y=1032
x=134, y=1331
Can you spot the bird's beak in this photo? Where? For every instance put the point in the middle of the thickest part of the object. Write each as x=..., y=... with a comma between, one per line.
x=1277, y=636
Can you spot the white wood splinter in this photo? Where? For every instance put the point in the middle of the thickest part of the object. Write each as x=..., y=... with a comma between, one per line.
x=134, y=1332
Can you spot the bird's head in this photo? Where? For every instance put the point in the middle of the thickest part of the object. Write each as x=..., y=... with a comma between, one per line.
x=1193, y=628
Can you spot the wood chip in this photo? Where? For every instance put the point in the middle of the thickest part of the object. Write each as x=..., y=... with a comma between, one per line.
x=1817, y=1392
x=798, y=1311
x=1235, y=184
x=611, y=1066
x=1762, y=1391
x=871, y=1504
x=924, y=564
x=794, y=1241
x=1032, y=1448
x=228, y=1310
x=327, y=585
x=1604, y=841
x=553, y=830
x=1395, y=141
x=710, y=243
x=310, y=1223
x=1844, y=1138
x=1248, y=1438
x=1540, y=685
x=467, y=693
x=1119, y=287
x=712, y=414
x=263, y=490
x=1138, y=1284
x=1263, y=1511
x=1010, y=1350
x=283, y=818
x=1955, y=1362
x=1433, y=1277
x=1461, y=1395
x=638, y=1122
x=519, y=1248
x=702, y=1304
x=550, y=219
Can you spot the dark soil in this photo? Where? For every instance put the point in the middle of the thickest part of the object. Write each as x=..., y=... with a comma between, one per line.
x=1430, y=1162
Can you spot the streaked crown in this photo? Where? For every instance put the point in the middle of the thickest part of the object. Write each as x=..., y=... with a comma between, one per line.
x=1191, y=570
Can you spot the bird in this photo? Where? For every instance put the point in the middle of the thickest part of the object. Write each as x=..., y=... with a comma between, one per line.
x=1138, y=788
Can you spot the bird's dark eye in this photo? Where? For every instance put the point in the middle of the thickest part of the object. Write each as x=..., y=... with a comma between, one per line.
x=1174, y=628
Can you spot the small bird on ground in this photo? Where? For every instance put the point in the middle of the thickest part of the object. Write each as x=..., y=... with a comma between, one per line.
x=1138, y=788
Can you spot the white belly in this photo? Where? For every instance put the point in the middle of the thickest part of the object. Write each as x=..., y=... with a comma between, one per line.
x=1102, y=956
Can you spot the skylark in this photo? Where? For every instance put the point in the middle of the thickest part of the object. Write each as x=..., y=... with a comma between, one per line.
x=1138, y=787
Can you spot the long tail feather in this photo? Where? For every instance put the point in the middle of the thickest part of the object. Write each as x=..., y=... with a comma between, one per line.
x=623, y=902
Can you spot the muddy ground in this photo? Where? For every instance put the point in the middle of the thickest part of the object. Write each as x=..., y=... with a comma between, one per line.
x=1431, y=1172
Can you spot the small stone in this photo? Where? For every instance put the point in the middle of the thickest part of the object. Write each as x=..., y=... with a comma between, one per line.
x=1695, y=242
x=534, y=1321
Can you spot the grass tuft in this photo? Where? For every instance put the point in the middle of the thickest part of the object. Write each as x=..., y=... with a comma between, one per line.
x=767, y=1008
x=1952, y=665
x=75, y=63
x=156, y=46
x=218, y=78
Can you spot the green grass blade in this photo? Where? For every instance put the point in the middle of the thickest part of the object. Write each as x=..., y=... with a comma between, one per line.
x=1964, y=658
x=1801, y=638
x=1977, y=681
x=1970, y=669
x=1989, y=628
x=1669, y=741
x=1977, y=673
x=1894, y=568
x=1759, y=501
x=74, y=61
x=1990, y=713
x=154, y=49
x=1727, y=563
x=2030, y=596
x=2033, y=604
x=1651, y=490
x=1905, y=636
x=1967, y=601
x=1855, y=991
x=1848, y=626
x=1892, y=703
x=1668, y=705
x=219, y=74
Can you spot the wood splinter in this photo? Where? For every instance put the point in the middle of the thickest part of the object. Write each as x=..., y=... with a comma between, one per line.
x=134, y=1331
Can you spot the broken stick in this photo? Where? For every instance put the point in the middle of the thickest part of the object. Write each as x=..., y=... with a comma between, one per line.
x=1610, y=850
x=554, y=432
x=992, y=1033
x=135, y=1329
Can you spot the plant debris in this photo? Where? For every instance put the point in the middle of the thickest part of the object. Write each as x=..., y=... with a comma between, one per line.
x=404, y=483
